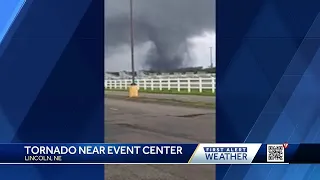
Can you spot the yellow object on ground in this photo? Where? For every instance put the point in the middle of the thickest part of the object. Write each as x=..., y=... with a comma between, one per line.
x=133, y=91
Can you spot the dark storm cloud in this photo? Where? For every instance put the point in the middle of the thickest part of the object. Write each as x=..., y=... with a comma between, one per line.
x=166, y=23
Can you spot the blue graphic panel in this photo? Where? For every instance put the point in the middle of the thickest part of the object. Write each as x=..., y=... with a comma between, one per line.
x=268, y=80
x=52, y=80
x=9, y=10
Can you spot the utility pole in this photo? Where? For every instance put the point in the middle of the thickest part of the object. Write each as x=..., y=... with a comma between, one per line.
x=132, y=43
x=133, y=89
x=211, y=62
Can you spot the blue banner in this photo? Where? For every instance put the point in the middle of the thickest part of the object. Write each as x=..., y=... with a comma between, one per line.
x=204, y=153
x=96, y=153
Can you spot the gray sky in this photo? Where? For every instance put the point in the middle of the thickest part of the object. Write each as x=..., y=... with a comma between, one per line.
x=168, y=34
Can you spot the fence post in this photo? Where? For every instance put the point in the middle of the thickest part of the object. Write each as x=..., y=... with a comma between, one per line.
x=200, y=84
x=169, y=84
x=213, y=79
x=152, y=84
x=178, y=84
x=144, y=84
x=189, y=85
x=160, y=84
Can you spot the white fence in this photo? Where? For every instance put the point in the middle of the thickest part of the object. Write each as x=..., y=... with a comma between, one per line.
x=180, y=84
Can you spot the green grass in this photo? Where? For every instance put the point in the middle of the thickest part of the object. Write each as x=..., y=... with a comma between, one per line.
x=205, y=92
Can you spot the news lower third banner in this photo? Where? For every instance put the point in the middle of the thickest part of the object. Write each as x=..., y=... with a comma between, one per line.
x=204, y=153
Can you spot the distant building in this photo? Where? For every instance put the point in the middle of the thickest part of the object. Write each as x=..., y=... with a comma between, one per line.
x=178, y=73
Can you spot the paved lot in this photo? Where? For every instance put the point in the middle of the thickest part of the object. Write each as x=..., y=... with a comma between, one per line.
x=134, y=122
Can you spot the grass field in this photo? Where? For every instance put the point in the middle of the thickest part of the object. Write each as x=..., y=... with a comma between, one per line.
x=206, y=92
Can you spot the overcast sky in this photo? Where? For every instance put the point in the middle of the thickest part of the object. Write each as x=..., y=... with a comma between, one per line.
x=168, y=34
